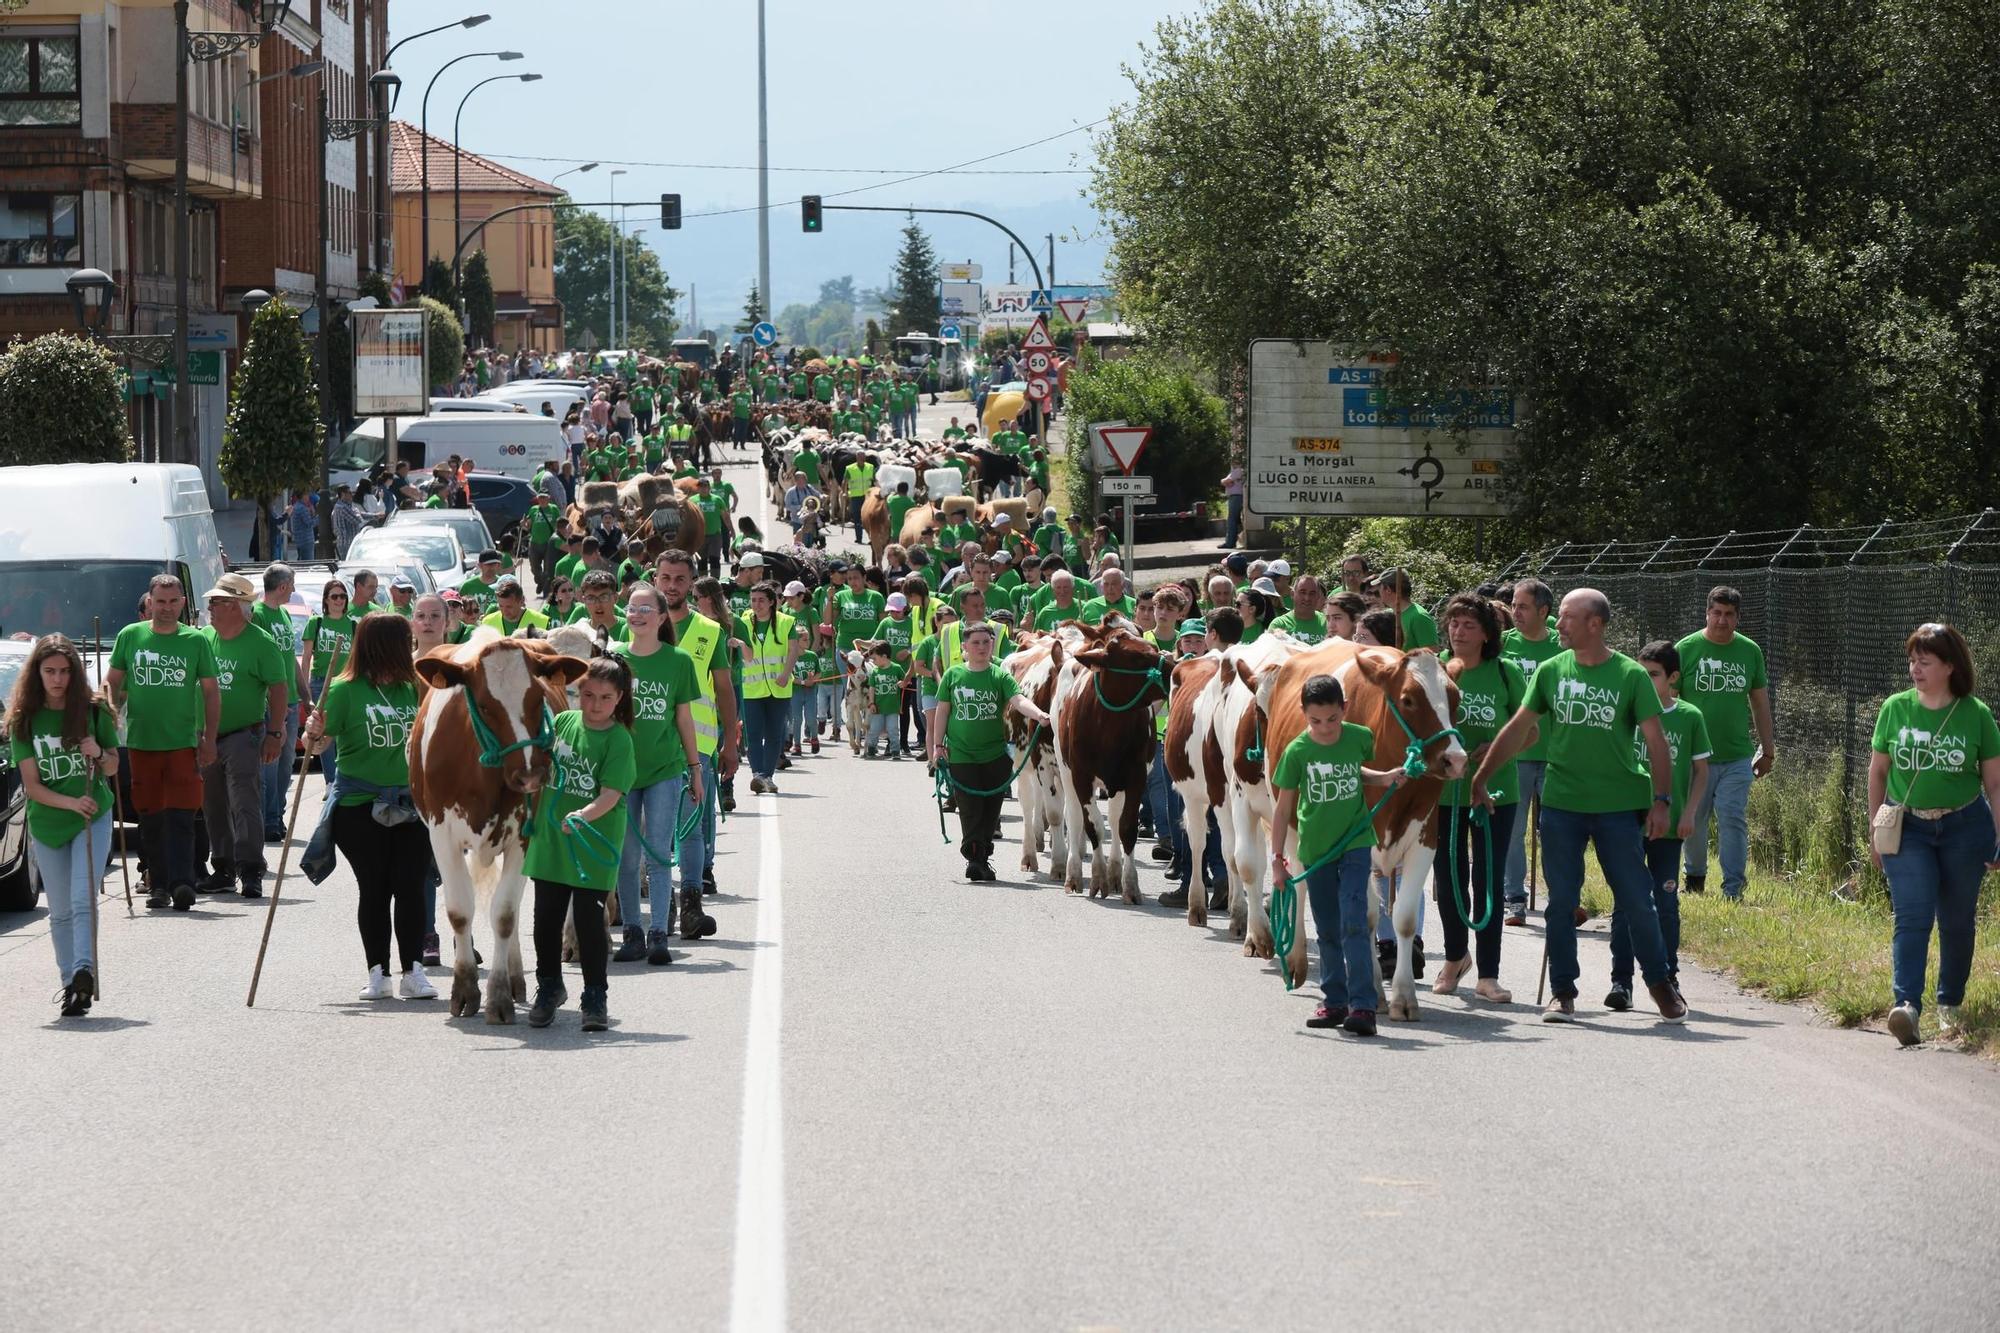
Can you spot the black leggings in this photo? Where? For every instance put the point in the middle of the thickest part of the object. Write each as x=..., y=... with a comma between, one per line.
x=1479, y=887
x=389, y=866
x=593, y=937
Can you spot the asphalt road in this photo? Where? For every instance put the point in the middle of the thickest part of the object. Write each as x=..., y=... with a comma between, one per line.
x=883, y=1098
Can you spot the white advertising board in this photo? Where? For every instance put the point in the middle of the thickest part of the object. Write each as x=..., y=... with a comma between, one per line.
x=391, y=363
x=958, y=302
x=1324, y=440
x=1007, y=307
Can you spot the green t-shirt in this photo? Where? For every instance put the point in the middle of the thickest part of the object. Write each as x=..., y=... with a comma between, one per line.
x=736, y=597
x=604, y=464
x=1419, y=629
x=586, y=762
x=1328, y=781
x=954, y=433
x=542, y=523
x=163, y=675
x=1590, y=715
x=370, y=728
x=1097, y=608
x=1053, y=614
x=1717, y=678
x=854, y=615
x=923, y=659
x=953, y=535
x=739, y=404
x=997, y=598
x=800, y=384
x=976, y=731
x=822, y=387
x=1939, y=748
x=277, y=622
x=806, y=461
x=714, y=513
x=568, y=568
x=661, y=683
x=1306, y=629
x=480, y=591
x=246, y=667
x=1488, y=695
x=580, y=614
x=63, y=770
x=1687, y=741
x=899, y=509
x=331, y=639
x=1047, y=538
x=886, y=684
x=1526, y=654
x=896, y=630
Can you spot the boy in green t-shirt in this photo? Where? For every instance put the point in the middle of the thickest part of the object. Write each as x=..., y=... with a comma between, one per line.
x=1318, y=784
x=968, y=735
x=885, y=686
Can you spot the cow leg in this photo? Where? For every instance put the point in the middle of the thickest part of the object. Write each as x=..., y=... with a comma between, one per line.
x=1128, y=833
x=1295, y=958
x=1411, y=858
x=1245, y=879
x=1100, y=855
x=1194, y=823
x=1052, y=814
x=448, y=851
x=1027, y=790
x=1075, y=833
x=1122, y=834
x=503, y=978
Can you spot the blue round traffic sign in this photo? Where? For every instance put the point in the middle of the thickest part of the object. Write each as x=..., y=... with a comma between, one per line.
x=948, y=331
x=764, y=334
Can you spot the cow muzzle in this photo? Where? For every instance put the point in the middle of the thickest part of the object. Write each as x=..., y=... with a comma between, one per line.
x=1451, y=764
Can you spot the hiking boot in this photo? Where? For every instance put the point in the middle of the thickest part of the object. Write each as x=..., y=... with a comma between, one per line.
x=728, y=797
x=1361, y=1022
x=632, y=947
x=1619, y=998
x=274, y=833
x=160, y=898
x=430, y=954
x=596, y=1017
x=695, y=923
x=222, y=879
x=1694, y=884
x=1218, y=897
x=1328, y=1016
x=549, y=997
x=657, y=954
x=1673, y=1009
x=1175, y=899
x=1162, y=852
x=415, y=985
x=183, y=897
x=1559, y=1010
x=1417, y=957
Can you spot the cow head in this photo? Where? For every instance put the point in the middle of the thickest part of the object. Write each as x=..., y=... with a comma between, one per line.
x=1129, y=666
x=508, y=681
x=1428, y=699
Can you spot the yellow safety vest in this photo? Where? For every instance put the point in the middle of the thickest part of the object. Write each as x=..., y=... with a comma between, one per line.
x=951, y=652
x=697, y=638
x=764, y=674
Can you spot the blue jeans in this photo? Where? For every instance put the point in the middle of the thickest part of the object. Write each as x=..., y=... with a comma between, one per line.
x=1935, y=878
x=278, y=773
x=1621, y=853
x=1338, y=893
x=1235, y=519
x=764, y=732
x=804, y=724
x=1531, y=771
x=1165, y=803
x=327, y=767
x=881, y=727
x=1385, y=925
x=1663, y=856
x=1728, y=795
x=71, y=881
x=655, y=812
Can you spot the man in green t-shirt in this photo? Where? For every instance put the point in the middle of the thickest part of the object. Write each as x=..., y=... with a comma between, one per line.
x=1304, y=621
x=822, y=388
x=480, y=589
x=968, y=735
x=162, y=676
x=1113, y=601
x=542, y=550
x=859, y=476
x=1530, y=643
x=252, y=676
x=806, y=463
x=740, y=404
x=1722, y=674
x=715, y=524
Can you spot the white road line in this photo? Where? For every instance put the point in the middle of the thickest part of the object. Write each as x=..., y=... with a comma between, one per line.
x=757, y=1300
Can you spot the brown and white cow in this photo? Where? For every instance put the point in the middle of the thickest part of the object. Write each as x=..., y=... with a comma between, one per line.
x=1194, y=766
x=1104, y=737
x=1243, y=818
x=478, y=812
x=1379, y=683
x=1036, y=666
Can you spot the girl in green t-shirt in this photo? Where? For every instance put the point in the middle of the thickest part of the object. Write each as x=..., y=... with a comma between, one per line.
x=65, y=744
x=579, y=838
x=363, y=724
x=325, y=643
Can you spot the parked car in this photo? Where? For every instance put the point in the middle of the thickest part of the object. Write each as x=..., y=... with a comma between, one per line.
x=502, y=501
x=309, y=580
x=530, y=395
x=474, y=535
x=474, y=405
x=20, y=887
x=436, y=548
x=515, y=443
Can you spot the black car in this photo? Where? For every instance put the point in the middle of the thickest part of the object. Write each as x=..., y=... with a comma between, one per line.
x=502, y=501
x=20, y=887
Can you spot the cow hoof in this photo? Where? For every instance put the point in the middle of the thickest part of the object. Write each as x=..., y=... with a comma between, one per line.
x=464, y=992
x=1254, y=948
x=1197, y=915
x=1131, y=894
x=500, y=1009
x=1403, y=1010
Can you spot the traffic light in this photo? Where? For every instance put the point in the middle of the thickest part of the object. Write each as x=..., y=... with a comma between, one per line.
x=670, y=212
x=809, y=212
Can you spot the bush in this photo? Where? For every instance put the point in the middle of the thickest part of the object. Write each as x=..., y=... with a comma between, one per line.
x=1189, y=450
x=1436, y=553
x=447, y=344
x=272, y=440
x=60, y=403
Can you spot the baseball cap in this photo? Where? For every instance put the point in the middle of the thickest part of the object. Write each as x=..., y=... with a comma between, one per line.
x=1002, y=556
x=1193, y=625
x=450, y=597
x=898, y=602
x=836, y=567
x=491, y=558
x=1239, y=563
x=403, y=582
x=1279, y=569
x=751, y=560
x=795, y=589
x=1003, y=520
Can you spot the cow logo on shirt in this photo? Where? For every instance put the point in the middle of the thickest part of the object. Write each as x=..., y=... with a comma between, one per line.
x=1581, y=704
x=388, y=725
x=1327, y=781
x=57, y=762
x=1920, y=751
x=970, y=703
x=1715, y=675
x=152, y=667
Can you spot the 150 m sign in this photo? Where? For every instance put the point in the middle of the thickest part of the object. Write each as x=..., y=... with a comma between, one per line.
x=1326, y=439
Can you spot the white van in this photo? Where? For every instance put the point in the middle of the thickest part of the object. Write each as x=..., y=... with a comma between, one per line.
x=79, y=542
x=513, y=443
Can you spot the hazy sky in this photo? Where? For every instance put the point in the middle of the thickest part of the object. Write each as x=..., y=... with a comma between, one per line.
x=861, y=94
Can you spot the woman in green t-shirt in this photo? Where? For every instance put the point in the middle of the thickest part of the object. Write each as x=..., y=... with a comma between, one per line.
x=364, y=723
x=1471, y=863
x=578, y=839
x=65, y=744
x=324, y=646
x=1937, y=755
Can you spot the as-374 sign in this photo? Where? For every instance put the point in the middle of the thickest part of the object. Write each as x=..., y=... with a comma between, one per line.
x=1324, y=440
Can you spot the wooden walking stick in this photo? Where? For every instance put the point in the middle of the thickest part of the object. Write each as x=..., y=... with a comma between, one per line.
x=285, y=854
x=117, y=824
x=96, y=940
x=1534, y=849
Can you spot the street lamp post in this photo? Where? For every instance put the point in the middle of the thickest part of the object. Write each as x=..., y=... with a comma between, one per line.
x=382, y=230
x=625, y=291
x=424, y=222
x=457, y=161
x=611, y=292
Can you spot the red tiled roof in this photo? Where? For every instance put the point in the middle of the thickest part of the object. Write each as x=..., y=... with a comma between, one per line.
x=478, y=174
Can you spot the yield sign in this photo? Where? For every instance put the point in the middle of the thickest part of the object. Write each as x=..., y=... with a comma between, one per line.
x=1038, y=339
x=1125, y=444
x=1073, y=310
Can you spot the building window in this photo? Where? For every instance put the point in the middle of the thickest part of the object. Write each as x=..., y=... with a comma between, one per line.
x=38, y=80
x=39, y=231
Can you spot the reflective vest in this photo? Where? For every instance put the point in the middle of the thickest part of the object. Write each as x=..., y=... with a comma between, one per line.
x=764, y=674
x=698, y=636
x=951, y=652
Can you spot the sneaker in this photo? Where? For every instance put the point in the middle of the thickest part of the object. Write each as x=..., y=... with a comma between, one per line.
x=815, y=745
x=708, y=880
x=1903, y=1024
x=758, y=786
x=784, y=763
x=378, y=985
x=415, y=985
x=549, y=997
x=252, y=881
x=596, y=1018
x=1328, y=1016
x=1162, y=852
x=222, y=879
x=183, y=897
x=1673, y=1009
x=85, y=985
x=1517, y=914
x=1175, y=899
x=72, y=1001
x=657, y=954
x=1559, y=1010
x=632, y=947
x=1951, y=1023
x=1361, y=1023
x=160, y=898
x=1694, y=884
x=1619, y=998
x=430, y=954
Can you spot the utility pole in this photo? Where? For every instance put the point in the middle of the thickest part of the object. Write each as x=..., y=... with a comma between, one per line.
x=1010, y=263
x=611, y=293
x=1052, y=277
x=763, y=173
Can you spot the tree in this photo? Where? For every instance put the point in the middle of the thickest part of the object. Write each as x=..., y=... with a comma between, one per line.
x=377, y=286
x=60, y=402
x=871, y=338
x=438, y=283
x=447, y=349
x=476, y=283
x=914, y=306
x=583, y=276
x=272, y=440
x=753, y=311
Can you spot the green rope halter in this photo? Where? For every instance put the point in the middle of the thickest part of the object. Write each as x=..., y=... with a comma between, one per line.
x=491, y=751
x=1153, y=678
